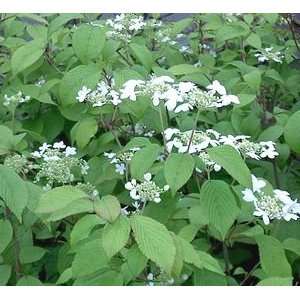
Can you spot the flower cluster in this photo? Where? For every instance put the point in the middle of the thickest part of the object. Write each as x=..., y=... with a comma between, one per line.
x=250, y=149
x=178, y=97
x=125, y=26
x=268, y=54
x=120, y=160
x=146, y=190
x=194, y=141
x=103, y=94
x=57, y=164
x=210, y=165
x=14, y=100
x=89, y=189
x=277, y=205
x=19, y=163
x=139, y=129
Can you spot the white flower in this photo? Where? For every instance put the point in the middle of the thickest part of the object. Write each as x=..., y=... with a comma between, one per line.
x=59, y=145
x=70, y=151
x=268, y=150
x=44, y=147
x=216, y=87
x=82, y=93
x=129, y=87
x=120, y=168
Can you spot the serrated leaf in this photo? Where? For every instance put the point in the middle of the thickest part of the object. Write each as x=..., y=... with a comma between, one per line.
x=178, y=170
x=219, y=204
x=88, y=42
x=292, y=132
x=5, y=273
x=13, y=191
x=89, y=258
x=270, y=251
x=83, y=131
x=154, y=241
x=6, y=234
x=143, y=54
x=108, y=208
x=227, y=157
x=143, y=160
x=25, y=56
x=115, y=236
x=83, y=227
x=30, y=254
x=58, y=198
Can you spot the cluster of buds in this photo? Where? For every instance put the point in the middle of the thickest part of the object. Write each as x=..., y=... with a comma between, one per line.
x=139, y=129
x=19, y=163
x=89, y=189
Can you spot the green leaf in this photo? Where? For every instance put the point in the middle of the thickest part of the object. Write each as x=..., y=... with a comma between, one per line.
x=6, y=233
x=83, y=227
x=74, y=80
x=26, y=56
x=253, y=79
x=291, y=244
x=13, y=191
x=28, y=280
x=227, y=157
x=271, y=133
x=30, y=254
x=270, y=251
x=276, y=281
x=199, y=259
x=65, y=276
x=89, y=258
x=115, y=236
x=108, y=208
x=254, y=40
x=143, y=160
x=83, y=131
x=178, y=170
x=219, y=204
x=183, y=69
x=62, y=19
x=135, y=263
x=5, y=272
x=143, y=54
x=231, y=31
x=292, y=132
x=154, y=241
x=88, y=42
x=58, y=198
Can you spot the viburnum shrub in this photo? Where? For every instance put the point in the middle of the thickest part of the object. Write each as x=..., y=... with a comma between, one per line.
x=137, y=151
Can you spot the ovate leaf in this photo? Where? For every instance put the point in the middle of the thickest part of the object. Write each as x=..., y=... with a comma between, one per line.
x=13, y=191
x=108, y=208
x=58, y=198
x=88, y=42
x=115, y=236
x=26, y=56
x=143, y=160
x=219, y=204
x=6, y=234
x=227, y=157
x=271, y=251
x=178, y=170
x=154, y=240
x=292, y=132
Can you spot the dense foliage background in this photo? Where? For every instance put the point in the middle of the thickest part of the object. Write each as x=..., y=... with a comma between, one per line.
x=136, y=151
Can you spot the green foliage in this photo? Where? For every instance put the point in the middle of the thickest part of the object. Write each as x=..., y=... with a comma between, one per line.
x=149, y=153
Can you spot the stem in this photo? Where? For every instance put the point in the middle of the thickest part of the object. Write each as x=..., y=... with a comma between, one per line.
x=250, y=273
x=162, y=128
x=226, y=258
x=193, y=131
x=13, y=117
x=276, y=176
x=289, y=18
x=18, y=270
